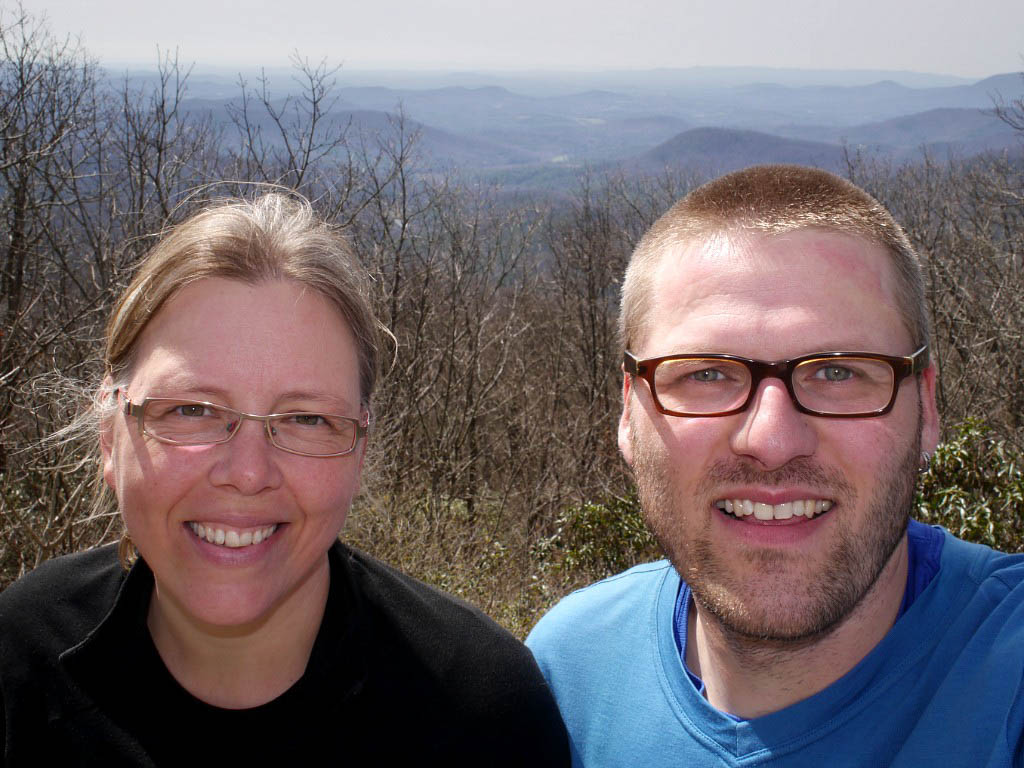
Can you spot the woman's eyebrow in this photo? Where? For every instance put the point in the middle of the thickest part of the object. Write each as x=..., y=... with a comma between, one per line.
x=319, y=397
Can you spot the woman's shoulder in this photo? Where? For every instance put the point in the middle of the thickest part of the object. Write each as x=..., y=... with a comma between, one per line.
x=463, y=665
x=433, y=623
x=385, y=587
x=62, y=599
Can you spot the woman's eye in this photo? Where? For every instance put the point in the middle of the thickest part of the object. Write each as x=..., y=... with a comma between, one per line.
x=192, y=410
x=309, y=419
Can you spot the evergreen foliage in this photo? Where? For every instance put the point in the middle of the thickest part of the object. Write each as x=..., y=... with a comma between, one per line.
x=974, y=487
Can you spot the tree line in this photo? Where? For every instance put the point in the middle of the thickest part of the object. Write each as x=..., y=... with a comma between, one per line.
x=493, y=469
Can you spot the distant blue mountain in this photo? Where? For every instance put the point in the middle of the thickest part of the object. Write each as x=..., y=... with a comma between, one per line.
x=719, y=150
x=966, y=131
x=533, y=128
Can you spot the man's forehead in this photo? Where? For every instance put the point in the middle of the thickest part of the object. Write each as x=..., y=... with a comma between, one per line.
x=737, y=278
x=721, y=256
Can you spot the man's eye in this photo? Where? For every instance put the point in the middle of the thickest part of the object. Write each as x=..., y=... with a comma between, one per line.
x=834, y=373
x=707, y=375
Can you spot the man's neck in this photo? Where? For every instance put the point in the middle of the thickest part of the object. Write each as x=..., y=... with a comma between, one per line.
x=749, y=677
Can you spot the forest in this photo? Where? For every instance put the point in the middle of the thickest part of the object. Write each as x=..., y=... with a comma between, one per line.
x=493, y=470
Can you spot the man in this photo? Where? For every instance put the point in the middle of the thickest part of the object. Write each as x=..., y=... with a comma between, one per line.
x=778, y=402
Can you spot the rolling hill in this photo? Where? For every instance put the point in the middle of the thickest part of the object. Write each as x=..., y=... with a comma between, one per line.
x=718, y=150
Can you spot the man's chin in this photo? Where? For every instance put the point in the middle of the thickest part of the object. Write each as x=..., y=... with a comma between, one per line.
x=765, y=619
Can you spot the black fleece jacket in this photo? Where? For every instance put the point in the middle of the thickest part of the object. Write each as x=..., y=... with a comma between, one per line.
x=400, y=674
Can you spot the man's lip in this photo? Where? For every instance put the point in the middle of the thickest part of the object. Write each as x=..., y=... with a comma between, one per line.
x=787, y=511
x=774, y=496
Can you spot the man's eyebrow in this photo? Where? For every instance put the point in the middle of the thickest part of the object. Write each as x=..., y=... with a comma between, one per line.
x=817, y=349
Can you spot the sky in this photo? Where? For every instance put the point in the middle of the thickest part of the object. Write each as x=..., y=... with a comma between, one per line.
x=952, y=37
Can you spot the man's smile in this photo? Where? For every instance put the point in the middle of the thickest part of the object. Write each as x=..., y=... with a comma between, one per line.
x=806, y=508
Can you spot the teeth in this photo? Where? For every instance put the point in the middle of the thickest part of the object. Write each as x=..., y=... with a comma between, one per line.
x=786, y=510
x=232, y=538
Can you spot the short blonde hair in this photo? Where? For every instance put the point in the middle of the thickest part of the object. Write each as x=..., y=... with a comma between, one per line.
x=773, y=199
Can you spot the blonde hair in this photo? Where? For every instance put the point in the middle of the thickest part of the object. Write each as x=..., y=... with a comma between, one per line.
x=773, y=199
x=273, y=237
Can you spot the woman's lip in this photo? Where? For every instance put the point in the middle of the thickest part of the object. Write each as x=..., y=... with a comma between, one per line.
x=239, y=527
x=232, y=537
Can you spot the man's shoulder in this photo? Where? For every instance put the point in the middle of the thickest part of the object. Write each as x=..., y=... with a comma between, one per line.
x=613, y=602
x=631, y=584
x=62, y=600
x=982, y=564
x=976, y=601
x=607, y=653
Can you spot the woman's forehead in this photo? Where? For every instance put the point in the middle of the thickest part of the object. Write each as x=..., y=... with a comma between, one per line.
x=277, y=335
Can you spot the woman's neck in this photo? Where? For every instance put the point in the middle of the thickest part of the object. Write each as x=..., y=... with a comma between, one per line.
x=240, y=667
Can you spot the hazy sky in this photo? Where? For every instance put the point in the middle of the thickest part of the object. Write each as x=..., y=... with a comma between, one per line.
x=957, y=37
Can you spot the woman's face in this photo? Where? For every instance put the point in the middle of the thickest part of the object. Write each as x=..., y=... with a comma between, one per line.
x=267, y=348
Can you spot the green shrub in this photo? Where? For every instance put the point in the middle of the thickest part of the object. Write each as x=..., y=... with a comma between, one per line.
x=598, y=538
x=975, y=488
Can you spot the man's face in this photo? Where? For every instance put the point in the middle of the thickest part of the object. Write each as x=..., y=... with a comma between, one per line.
x=775, y=297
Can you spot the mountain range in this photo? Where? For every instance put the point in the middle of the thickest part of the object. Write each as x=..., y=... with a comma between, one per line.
x=534, y=129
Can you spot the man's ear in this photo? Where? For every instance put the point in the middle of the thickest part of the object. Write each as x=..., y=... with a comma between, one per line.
x=108, y=411
x=930, y=426
x=625, y=427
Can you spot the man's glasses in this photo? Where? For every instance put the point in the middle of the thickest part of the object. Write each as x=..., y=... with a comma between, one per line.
x=838, y=384
x=193, y=422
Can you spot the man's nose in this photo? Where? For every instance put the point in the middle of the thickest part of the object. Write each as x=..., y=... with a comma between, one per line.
x=771, y=431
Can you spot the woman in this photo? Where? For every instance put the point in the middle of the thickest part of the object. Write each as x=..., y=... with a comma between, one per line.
x=232, y=426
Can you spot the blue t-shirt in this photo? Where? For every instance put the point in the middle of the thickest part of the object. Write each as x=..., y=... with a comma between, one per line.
x=943, y=687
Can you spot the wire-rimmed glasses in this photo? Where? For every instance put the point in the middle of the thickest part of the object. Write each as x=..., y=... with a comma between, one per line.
x=196, y=422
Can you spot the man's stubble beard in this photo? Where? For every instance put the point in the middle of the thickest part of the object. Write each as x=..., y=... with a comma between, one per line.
x=827, y=596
